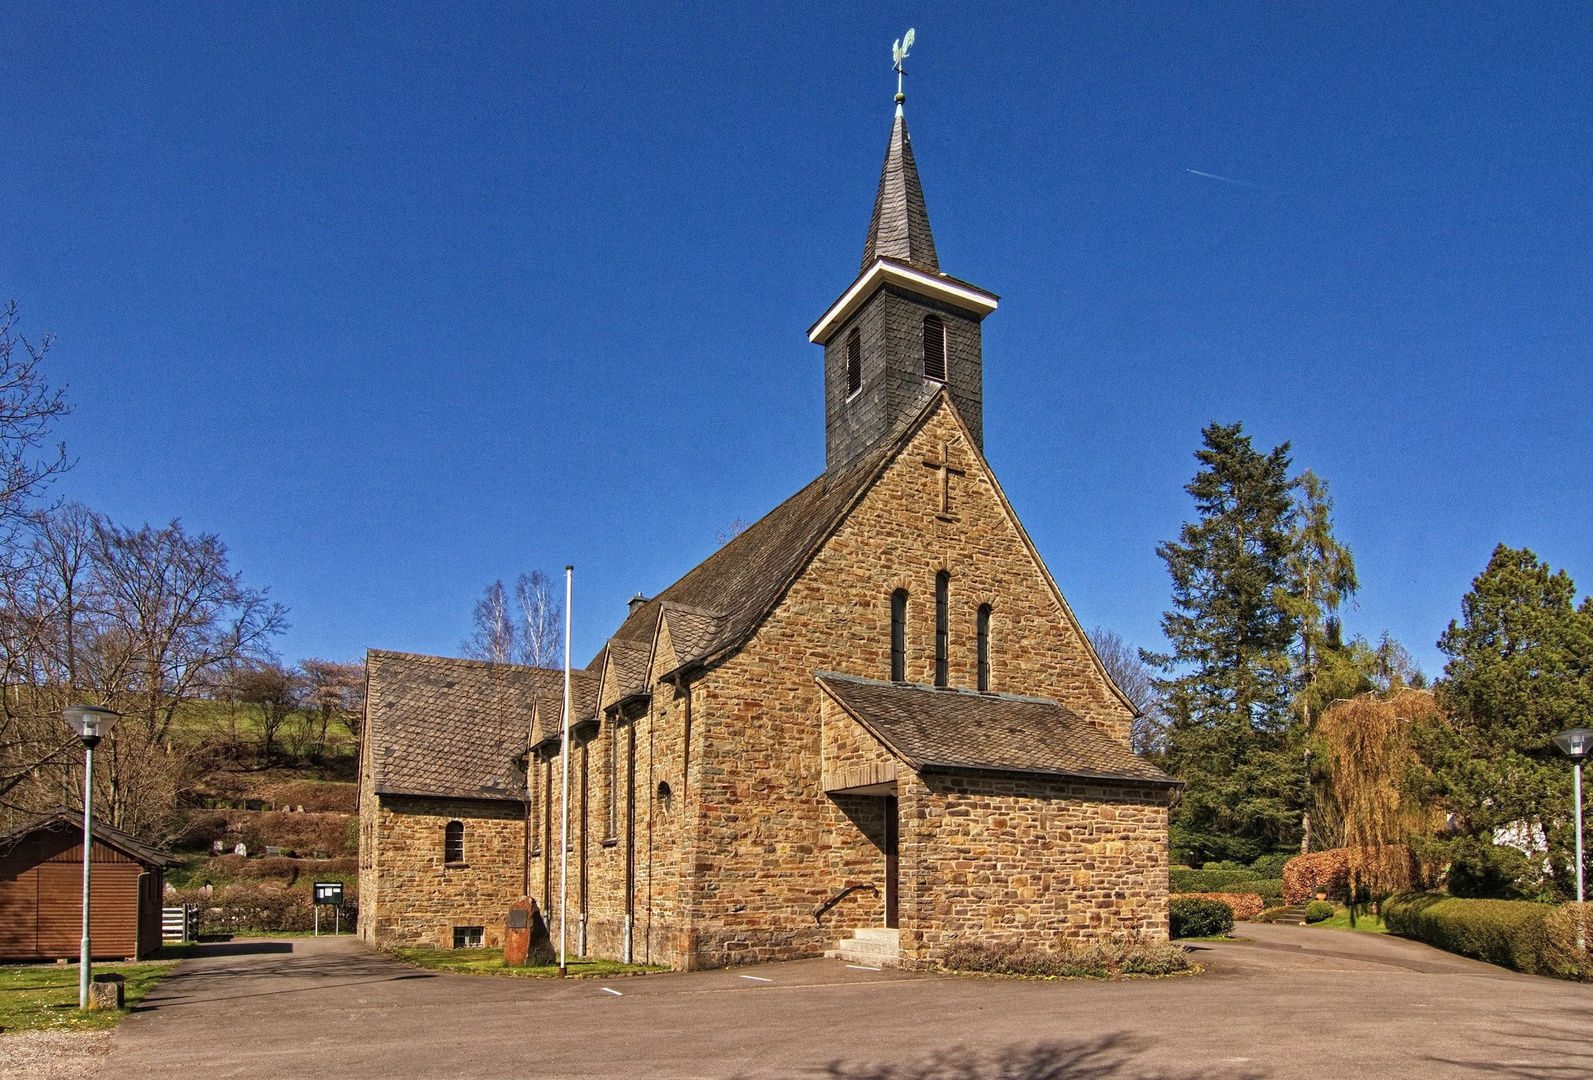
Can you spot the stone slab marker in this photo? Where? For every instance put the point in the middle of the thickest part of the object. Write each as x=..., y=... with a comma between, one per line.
x=525, y=936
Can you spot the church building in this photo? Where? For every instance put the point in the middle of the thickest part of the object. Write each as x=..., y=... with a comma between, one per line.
x=869, y=723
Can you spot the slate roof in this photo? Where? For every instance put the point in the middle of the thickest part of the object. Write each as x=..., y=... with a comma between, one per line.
x=725, y=597
x=899, y=228
x=548, y=723
x=932, y=728
x=629, y=659
x=66, y=820
x=452, y=728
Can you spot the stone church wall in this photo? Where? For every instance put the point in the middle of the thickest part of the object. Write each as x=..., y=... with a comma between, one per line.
x=1042, y=861
x=765, y=823
x=421, y=899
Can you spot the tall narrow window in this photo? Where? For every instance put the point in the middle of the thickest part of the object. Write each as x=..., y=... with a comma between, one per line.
x=899, y=635
x=984, y=646
x=942, y=625
x=454, y=842
x=854, y=362
x=934, y=348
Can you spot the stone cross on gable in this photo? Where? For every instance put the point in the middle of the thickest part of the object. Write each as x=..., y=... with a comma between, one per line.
x=947, y=471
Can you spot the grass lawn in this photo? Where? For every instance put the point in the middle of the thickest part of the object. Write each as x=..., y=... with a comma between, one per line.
x=490, y=962
x=44, y=996
x=1365, y=922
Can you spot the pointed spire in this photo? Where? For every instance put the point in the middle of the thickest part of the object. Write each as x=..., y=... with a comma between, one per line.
x=899, y=228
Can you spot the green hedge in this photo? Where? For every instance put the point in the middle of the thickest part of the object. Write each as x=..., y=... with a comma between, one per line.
x=1212, y=880
x=1195, y=916
x=1511, y=933
x=1230, y=881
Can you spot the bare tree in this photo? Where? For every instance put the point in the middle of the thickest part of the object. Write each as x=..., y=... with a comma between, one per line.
x=273, y=690
x=530, y=634
x=1134, y=677
x=142, y=620
x=28, y=406
x=495, y=631
x=541, y=634
x=334, y=690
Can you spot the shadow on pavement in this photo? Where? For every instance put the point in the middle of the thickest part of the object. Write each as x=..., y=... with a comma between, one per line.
x=1516, y=1055
x=1109, y=1056
x=198, y=950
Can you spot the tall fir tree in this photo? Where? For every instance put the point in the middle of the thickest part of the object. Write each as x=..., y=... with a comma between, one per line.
x=1520, y=669
x=1230, y=678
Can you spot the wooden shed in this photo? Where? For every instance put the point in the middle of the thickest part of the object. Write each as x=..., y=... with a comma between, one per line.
x=41, y=891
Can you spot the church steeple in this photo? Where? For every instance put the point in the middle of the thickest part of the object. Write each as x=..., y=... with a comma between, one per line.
x=903, y=331
x=899, y=228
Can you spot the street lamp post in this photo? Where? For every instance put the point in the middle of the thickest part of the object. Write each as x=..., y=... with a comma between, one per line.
x=1577, y=744
x=92, y=723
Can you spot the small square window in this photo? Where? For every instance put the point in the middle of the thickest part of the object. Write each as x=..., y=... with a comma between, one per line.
x=468, y=937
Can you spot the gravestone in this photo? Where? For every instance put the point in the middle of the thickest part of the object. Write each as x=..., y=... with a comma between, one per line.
x=241, y=849
x=525, y=936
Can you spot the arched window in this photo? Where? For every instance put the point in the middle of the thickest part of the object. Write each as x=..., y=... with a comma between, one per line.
x=854, y=362
x=454, y=842
x=984, y=646
x=899, y=635
x=934, y=348
x=942, y=625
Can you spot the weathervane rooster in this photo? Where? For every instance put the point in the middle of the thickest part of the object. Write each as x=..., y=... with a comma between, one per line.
x=898, y=54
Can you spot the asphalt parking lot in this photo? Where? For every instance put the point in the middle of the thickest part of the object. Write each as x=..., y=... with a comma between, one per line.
x=1284, y=1002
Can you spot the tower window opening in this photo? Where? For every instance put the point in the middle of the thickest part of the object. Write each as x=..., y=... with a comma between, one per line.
x=454, y=842
x=934, y=348
x=854, y=362
x=899, y=635
x=984, y=646
x=942, y=626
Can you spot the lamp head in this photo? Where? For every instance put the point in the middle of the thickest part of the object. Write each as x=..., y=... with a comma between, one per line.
x=1575, y=743
x=91, y=722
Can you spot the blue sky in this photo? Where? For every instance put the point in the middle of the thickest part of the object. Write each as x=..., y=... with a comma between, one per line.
x=400, y=298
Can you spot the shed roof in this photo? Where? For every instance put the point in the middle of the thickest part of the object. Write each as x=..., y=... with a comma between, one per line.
x=935, y=728
x=67, y=820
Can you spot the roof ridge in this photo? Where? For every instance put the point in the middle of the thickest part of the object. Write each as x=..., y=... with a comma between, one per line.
x=468, y=661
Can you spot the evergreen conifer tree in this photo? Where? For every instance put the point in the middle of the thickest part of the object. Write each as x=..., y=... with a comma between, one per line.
x=1229, y=682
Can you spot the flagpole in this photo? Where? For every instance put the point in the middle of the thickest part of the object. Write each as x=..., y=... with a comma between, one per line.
x=564, y=785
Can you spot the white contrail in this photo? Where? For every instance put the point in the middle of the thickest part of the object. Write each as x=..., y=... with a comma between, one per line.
x=1225, y=179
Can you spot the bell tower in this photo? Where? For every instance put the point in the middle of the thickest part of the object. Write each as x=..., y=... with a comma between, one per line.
x=903, y=330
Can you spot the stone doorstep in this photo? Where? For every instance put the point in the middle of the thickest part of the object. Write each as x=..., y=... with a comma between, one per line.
x=873, y=946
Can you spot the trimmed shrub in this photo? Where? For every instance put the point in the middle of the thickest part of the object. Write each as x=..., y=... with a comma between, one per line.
x=1318, y=911
x=1511, y=933
x=1269, y=889
x=1563, y=956
x=1098, y=960
x=1243, y=905
x=1271, y=866
x=1195, y=916
x=1329, y=871
x=1200, y=881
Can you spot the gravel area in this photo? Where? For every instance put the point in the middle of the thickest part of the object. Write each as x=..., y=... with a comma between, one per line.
x=54, y=1055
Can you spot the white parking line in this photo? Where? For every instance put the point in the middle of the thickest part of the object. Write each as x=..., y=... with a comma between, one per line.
x=757, y=978
x=606, y=990
x=860, y=967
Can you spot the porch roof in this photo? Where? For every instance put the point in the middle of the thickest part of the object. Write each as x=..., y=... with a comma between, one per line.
x=960, y=730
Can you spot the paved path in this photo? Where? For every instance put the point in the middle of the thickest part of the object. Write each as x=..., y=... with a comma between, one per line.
x=1286, y=1002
